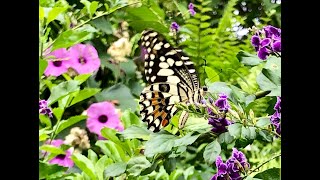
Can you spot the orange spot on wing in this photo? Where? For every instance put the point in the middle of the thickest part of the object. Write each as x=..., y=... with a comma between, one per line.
x=164, y=122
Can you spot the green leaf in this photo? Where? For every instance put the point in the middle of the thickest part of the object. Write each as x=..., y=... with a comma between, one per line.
x=266, y=84
x=84, y=164
x=174, y=175
x=248, y=59
x=137, y=164
x=115, y=169
x=170, y=164
x=274, y=78
x=142, y=12
x=140, y=25
x=57, y=112
x=121, y=93
x=103, y=162
x=62, y=90
x=225, y=138
x=162, y=174
x=42, y=67
x=102, y=24
x=93, y=7
x=129, y=118
x=248, y=132
x=82, y=78
x=51, y=149
x=110, y=134
x=265, y=135
x=69, y=122
x=188, y=172
x=270, y=174
x=213, y=76
x=44, y=119
x=52, y=15
x=186, y=140
x=84, y=94
x=159, y=143
x=46, y=169
x=211, y=152
x=136, y=132
x=235, y=130
x=69, y=38
x=92, y=156
x=43, y=134
x=263, y=122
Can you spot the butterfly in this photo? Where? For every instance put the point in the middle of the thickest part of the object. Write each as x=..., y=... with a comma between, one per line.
x=172, y=78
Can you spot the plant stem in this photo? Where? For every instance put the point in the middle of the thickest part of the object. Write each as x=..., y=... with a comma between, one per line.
x=261, y=94
x=256, y=168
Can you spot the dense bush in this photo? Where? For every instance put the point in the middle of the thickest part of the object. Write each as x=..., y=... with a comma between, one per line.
x=91, y=74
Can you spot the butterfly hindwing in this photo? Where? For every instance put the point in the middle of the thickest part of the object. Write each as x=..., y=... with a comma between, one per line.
x=172, y=78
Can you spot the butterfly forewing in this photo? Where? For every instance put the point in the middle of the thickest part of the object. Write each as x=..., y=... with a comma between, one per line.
x=172, y=78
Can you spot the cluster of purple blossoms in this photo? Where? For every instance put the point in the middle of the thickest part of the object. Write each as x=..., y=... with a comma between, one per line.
x=270, y=43
x=191, y=9
x=276, y=117
x=83, y=58
x=232, y=168
x=44, y=109
x=219, y=123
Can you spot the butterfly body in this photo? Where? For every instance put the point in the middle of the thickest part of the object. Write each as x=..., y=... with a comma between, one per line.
x=172, y=78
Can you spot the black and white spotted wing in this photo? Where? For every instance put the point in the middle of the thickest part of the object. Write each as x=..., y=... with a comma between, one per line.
x=172, y=78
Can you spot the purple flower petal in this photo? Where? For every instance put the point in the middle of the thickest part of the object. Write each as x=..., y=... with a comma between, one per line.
x=174, y=26
x=255, y=41
x=276, y=46
x=218, y=161
x=84, y=58
x=63, y=160
x=103, y=114
x=58, y=62
x=263, y=53
x=222, y=102
x=265, y=42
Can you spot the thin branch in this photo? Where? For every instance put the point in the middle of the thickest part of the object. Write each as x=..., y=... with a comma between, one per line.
x=256, y=168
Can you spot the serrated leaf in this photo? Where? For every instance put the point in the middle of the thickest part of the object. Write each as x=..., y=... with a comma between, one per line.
x=270, y=174
x=84, y=164
x=62, y=90
x=159, y=143
x=211, y=152
x=137, y=164
x=70, y=37
x=136, y=132
x=84, y=94
x=69, y=122
x=235, y=130
x=115, y=169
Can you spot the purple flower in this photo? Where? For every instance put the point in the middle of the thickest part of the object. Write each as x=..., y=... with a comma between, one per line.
x=276, y=117
x=57, y=62
x=277, y=106
x=191, y=9
x=174, y=26
x=269, y=43
x=44, y=109
x=63, y=159
x=222, y=102
x=222, y=170
x=84, y=58
x=54, y=142
x=103, y=114
x=240, y=157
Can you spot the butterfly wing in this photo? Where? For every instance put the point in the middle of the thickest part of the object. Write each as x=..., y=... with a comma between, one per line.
x=172, y=78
